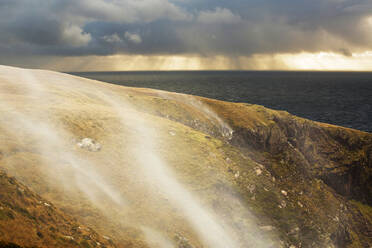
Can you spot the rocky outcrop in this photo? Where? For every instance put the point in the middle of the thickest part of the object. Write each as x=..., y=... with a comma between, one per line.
x=341, y=157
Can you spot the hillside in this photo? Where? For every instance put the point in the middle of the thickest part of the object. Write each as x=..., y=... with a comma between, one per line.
x=149, y=168
x=28, y=220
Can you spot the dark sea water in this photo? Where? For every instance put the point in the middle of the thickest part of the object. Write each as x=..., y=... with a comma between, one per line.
x=341, y=98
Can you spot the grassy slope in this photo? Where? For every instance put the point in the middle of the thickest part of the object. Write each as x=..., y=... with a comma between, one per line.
x=320, y=166
x=28, y=220
x=308, y=170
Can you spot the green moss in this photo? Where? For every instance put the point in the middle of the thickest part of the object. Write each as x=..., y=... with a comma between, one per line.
x=85, y=244
x=364, y=209
x=355, y=243
x=6, y=214
x=3, y=215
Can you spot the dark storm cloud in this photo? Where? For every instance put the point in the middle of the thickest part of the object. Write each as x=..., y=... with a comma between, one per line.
x=223, y=27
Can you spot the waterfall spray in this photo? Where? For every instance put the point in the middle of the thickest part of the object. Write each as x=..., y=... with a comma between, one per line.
x=223, y=127
x=51, y=144
x=149, y=167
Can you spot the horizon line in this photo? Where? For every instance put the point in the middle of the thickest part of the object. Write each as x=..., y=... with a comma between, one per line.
x=219, y=70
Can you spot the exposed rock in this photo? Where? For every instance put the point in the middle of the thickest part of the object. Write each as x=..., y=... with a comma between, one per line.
x=89, y=144
x=237, y=174
x=258, y=171
x=251, y=188
x=284, y=192
x=182, y=242
x=267, y=228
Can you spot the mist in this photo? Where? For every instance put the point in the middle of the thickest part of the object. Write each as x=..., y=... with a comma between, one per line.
x=130, y=182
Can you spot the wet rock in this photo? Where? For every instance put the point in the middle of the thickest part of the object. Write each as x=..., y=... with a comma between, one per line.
x=90, y=145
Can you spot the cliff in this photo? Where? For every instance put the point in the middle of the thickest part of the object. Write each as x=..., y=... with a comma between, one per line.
x=149, y=168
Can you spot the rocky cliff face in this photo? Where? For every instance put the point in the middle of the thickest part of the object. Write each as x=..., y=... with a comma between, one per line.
x=157, y=169
x=340, y=157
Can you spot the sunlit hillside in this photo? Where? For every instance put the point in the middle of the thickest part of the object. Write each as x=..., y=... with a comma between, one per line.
x=149, y=168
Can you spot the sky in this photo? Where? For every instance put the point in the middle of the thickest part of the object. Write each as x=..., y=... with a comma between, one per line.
x=91, y=35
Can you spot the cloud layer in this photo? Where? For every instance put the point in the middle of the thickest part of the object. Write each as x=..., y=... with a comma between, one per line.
x=175, y=27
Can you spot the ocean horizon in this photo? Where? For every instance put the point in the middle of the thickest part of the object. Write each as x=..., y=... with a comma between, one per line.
x=340, y=98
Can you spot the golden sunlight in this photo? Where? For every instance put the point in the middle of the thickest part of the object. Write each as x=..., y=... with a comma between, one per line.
x=284, y=61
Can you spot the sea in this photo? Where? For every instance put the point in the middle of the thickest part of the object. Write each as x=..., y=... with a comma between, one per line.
x=340, y=98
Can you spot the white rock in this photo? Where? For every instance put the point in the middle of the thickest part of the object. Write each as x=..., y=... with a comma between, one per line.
x=237, y=174
x=258, y=171
x=89, y=144
x=69, y=237
x=284, y=192
x=300, y=204
x=47, y=204
x=172, y=133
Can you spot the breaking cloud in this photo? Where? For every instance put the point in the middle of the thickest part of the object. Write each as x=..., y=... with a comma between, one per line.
x=132, y=37
x=178, y=27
